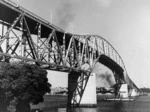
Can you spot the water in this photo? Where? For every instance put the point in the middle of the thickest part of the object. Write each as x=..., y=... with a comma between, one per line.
x=140, y=104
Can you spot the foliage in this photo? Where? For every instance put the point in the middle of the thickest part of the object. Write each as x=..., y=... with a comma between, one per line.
x=147, y=90
x=21, y=82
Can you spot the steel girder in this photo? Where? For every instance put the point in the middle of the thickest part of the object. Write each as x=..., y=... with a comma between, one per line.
x=42, y=41
x=25, y=36
x=76, y=86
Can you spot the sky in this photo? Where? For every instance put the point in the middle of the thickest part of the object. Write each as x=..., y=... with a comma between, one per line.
x=123, y=23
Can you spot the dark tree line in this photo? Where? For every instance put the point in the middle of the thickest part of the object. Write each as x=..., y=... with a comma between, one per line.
x=20, y=85
x=147, y=90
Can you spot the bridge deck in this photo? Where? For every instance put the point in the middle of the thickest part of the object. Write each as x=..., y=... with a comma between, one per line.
x=53, y=46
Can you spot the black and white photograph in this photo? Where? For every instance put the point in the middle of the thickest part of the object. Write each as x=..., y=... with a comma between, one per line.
x=74, y=55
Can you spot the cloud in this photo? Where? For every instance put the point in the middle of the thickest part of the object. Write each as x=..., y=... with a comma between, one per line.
x=70, y=10
x=104, y=3
x=65, y=14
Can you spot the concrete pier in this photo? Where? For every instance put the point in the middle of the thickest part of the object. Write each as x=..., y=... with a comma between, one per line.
x=124, y=91
x=89, y=96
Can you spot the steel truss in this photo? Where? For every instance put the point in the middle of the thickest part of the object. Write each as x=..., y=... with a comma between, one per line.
x=77, y=84
x=35, y=39
x=25, y=36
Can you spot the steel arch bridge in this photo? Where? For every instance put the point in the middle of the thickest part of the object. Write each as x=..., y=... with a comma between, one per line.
x=25, y=36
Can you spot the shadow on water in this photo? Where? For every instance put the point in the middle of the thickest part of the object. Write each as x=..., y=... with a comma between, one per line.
x=114, y=106
x=59, y=104
x=77, y=110
x=106, y=106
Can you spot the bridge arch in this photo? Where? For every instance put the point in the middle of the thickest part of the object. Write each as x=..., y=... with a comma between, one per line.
x=37, y=41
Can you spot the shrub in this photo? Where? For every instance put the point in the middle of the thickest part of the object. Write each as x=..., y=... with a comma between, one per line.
x=20, y=85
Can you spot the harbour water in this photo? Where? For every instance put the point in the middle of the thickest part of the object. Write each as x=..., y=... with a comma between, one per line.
x=140, y=104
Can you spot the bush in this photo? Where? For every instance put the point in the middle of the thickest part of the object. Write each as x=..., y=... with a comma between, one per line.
x=20, y=85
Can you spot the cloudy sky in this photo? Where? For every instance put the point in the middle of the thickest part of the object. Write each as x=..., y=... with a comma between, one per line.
x=124, y=23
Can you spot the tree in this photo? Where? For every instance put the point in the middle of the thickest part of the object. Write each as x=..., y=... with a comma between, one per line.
x=147, y=90
x=20, y=85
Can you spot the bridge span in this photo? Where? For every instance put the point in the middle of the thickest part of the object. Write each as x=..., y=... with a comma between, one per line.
x=27, y=37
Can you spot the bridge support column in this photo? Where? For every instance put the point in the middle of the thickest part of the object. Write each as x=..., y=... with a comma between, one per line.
x=124, y=91
x=81, y=89
x=89, y=96
x=133, y=93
